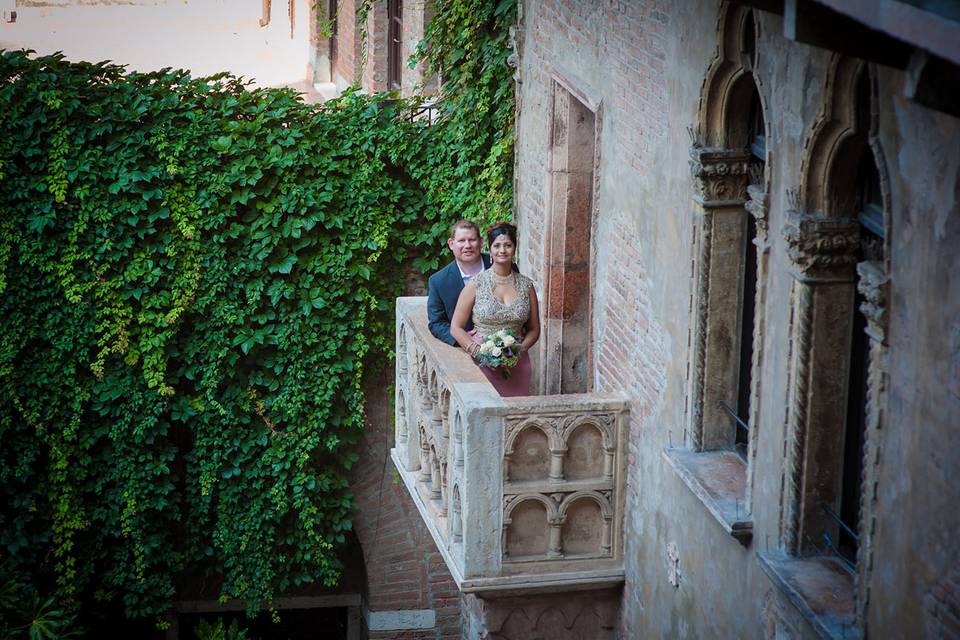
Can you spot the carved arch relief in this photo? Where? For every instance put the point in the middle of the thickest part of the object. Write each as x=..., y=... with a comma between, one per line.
x=586, y=453
x=587, y=519
x=833, y=129
x=527, y=527
x=723, y=84
x=529, y=457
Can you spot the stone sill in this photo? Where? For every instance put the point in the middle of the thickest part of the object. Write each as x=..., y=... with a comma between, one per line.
x=533, y=584
x=718, y=479
x=821, y=588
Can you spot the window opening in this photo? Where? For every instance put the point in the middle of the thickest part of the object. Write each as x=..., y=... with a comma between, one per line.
x=394, y=42
x=756, y=135
x=870, y=216
x=741, y=413
x=742, y=437
x=749, y=44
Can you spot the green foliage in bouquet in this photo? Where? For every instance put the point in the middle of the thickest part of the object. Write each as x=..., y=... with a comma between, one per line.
x=193, y=276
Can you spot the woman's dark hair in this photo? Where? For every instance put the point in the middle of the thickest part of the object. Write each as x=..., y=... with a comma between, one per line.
x=500, y=229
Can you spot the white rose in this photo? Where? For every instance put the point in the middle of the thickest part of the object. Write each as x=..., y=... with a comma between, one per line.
x=496, y=351
x=485, y=347
x=508, y=340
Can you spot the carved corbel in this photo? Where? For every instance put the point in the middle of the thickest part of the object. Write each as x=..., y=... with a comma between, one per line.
x=756, y=205
x=820, y=248
x=720, y=176
x=872, y=285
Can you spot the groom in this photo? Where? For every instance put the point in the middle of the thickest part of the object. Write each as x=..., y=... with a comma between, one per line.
x=445, y=285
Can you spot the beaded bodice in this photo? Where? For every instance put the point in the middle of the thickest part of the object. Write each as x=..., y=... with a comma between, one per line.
x=490, y=315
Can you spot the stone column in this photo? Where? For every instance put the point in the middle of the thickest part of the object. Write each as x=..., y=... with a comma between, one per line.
x=757, y=206
x=872, y=284
x=822, y=254
x=720, y=179
x=554, y=545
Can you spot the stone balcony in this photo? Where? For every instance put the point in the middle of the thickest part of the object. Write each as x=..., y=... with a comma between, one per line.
x=521, y=495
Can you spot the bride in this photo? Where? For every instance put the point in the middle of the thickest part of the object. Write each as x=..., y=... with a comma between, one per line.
x=500, y=298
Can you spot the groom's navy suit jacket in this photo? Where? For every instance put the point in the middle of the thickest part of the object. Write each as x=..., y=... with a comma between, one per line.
x=445, y=287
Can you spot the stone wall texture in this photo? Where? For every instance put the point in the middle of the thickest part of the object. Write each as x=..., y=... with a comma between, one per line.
x=641, y=66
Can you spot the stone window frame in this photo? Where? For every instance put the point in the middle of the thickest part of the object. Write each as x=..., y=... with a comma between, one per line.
x=555, y=271
x=821, y=245
x=729, y=186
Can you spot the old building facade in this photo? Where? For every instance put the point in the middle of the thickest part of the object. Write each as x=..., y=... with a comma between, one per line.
x=741, y=217
x=769, y=211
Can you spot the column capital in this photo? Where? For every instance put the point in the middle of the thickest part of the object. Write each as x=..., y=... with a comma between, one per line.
x=720, y=176
x=820, y=248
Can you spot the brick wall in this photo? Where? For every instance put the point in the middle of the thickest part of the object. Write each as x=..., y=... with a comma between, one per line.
x=628, y=343
x=375, y=72
x=405, y=572
x=416, y=16
x=348, y=42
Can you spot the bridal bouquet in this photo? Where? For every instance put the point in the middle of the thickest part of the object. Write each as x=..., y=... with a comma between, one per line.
x=500, y=350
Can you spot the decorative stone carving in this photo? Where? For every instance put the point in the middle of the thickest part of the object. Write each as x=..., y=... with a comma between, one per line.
x=821, y=248
x=402, y=435
x=457, y=471
x=872, y=285
x=424, y=475
x=756, y=206
x=720, y=176
x=673, y=565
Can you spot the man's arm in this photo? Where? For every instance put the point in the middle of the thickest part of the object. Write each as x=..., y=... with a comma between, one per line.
x=439, y=323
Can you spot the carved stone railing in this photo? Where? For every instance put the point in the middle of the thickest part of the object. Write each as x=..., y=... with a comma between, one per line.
x=518, y=493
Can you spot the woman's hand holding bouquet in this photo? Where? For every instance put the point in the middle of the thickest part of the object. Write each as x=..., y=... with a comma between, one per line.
x=500, y=350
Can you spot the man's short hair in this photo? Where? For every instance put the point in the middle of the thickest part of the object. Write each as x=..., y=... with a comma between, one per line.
x=464, y=224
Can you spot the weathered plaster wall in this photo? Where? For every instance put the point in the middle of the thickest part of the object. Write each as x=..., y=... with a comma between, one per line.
x=917, y=555
x=204, y=36
x=641, y=66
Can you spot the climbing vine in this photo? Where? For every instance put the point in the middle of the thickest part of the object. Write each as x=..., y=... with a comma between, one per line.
x=194, y=277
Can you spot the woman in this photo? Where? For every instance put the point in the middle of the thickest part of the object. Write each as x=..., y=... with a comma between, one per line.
x=500, y=298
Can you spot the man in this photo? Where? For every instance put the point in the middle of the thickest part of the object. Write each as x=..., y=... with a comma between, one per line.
x=445, y=285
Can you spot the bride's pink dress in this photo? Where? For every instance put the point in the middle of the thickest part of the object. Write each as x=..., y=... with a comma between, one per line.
x=491, y=315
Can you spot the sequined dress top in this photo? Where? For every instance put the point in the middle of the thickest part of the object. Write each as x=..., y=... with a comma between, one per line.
x=491, y=315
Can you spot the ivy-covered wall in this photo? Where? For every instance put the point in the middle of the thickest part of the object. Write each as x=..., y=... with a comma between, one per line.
x=193, y=277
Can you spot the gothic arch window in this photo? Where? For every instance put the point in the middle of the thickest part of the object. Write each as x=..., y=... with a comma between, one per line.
x=728, y=164
x=728, y=157
x=837, y=238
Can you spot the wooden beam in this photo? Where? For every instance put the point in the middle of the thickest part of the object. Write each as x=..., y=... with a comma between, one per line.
x=811, y=23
